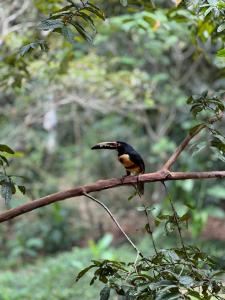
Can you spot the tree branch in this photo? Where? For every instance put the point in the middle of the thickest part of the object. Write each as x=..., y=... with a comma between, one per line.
x=106, y=184
x=181, y=147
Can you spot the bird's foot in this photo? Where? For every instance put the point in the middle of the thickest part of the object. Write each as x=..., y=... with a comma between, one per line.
x=165, y=173
x=123, y=177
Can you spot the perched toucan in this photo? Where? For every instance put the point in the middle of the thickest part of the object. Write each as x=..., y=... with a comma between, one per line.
x=129, y=158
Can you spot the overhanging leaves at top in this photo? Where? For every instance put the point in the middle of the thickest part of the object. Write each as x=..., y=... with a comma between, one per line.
x=74, y=16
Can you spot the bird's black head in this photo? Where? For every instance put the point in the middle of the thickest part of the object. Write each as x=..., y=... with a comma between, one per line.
x=123, y=147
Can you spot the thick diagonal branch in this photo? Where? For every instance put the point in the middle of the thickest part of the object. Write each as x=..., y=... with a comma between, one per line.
x=106, y=184
x=188, y=138
x=181, y=147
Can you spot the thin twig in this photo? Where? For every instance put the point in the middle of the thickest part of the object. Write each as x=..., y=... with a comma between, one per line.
x=118, y=225
x=115, y=221
x=176, y=219
x=150, y=231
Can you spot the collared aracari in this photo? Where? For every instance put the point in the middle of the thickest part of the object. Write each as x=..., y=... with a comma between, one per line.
x=128, y=157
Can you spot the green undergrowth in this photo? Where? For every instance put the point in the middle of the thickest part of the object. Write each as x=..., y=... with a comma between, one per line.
x=49, y=278
x=53, y=278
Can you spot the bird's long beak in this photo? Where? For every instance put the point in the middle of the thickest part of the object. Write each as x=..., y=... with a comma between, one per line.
x=106, y=145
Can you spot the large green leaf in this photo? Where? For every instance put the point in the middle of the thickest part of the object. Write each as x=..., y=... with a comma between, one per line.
x=5, y=148
x=50, y=24
x=84, y=271
x=105, y=293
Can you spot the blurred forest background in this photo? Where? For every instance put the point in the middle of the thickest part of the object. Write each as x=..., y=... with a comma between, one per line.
x=131, y=84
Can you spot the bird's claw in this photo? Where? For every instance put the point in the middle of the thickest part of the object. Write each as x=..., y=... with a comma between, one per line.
x=166, y=173
x=123, y=177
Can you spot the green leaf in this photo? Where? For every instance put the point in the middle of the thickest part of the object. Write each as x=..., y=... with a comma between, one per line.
x=96, y=12
x=3, y=158
x=105, y=293
x=88, y=19
x=172, y=255
x=103, y=278
x=220, y=156
x=50, y=24
x=64, y=9
x=93, y=280
x=221, y=28
x=82, y=31
x=221, y=53
x=218, y=143
x=68, y=34
x=205, y=94
x=195, y=294
x=22, y=189
x=84, y=271
x=29, y=47
x=13, y=188
x=5, y=148
x=132, y=195
x=208, y=10
x=186, y=280
x=140, y=208
x=25, y=49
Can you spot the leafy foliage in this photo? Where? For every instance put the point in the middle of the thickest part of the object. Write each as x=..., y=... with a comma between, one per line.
x=7, y=183
x=146, y=57
x=74, y=16
x=51, y=230
x=205, y=102
x=166, y=275
x=51, y=277
x=212, y=107
x=31, y=46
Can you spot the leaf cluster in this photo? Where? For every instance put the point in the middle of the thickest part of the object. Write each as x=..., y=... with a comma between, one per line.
x=205, y=105
x=166, y=275
x=34, y=45
x=74, y=16
x=170, y=221
x=206, y=102
x=8, y=186
x=67, y=21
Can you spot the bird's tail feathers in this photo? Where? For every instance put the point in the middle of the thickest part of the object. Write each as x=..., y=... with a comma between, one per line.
x=140, y=188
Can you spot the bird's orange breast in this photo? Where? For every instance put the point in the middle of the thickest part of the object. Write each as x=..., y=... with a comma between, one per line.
x=125, y=160
x=129, y=165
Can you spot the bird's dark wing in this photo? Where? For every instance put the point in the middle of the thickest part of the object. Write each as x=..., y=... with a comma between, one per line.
x=136, y=159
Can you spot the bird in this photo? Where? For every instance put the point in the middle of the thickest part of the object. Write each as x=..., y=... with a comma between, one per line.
x=128, y=157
